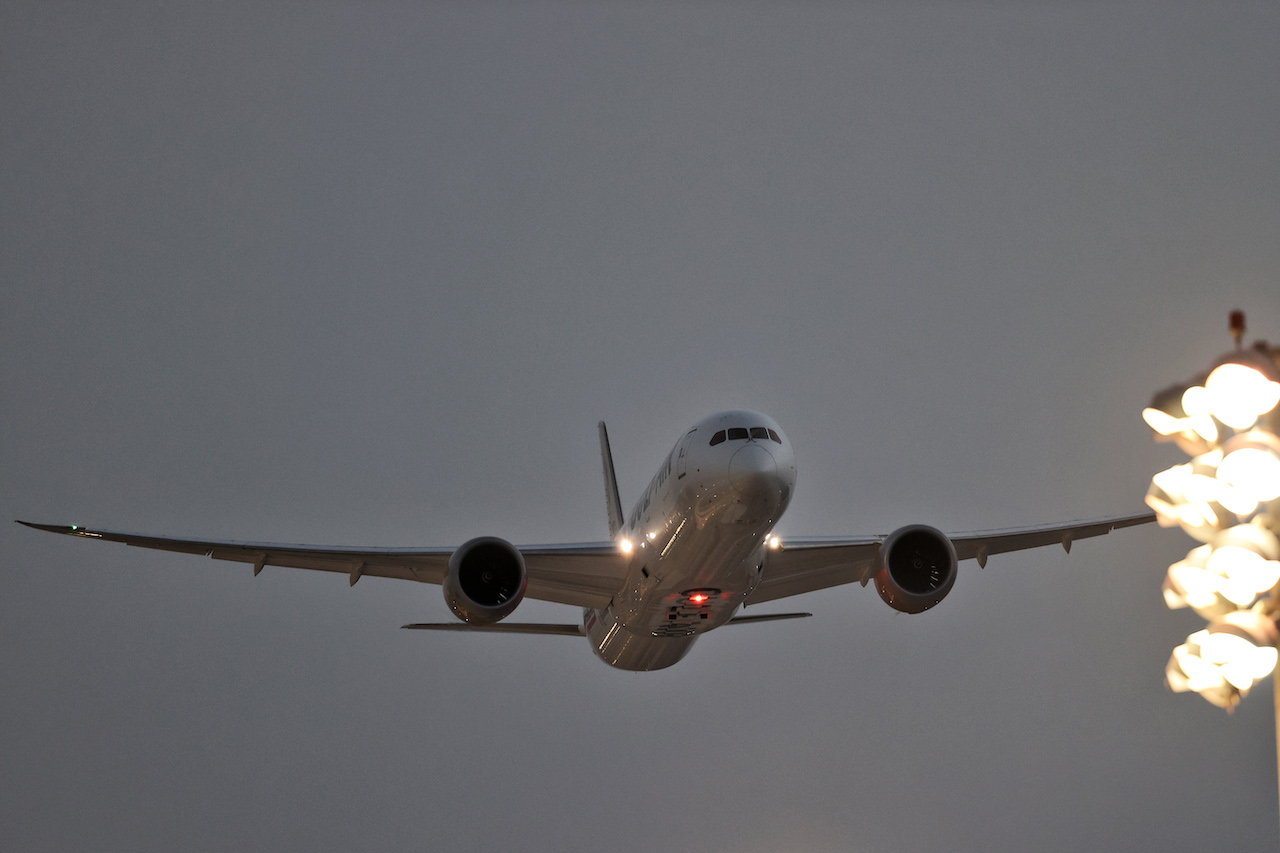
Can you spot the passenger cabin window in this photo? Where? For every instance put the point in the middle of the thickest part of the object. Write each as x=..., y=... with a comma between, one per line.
x=737, y=432
x=773, y=435
x=759, y=432
x=717, y=438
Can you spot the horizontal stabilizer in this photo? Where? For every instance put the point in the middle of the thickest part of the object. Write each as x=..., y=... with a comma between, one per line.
x=502, y=628
x=766, y=617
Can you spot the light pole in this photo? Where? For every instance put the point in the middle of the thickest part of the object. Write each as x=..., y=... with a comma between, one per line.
x=1227, y=497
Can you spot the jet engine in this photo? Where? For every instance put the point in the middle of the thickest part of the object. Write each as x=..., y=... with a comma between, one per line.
x=486, y=580
x=917, y=568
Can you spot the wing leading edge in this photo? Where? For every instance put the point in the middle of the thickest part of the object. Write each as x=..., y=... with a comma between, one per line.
x=589, y=574
x=806, y=565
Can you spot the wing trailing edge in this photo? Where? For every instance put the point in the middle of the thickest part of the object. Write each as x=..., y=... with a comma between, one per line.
x=502, y=628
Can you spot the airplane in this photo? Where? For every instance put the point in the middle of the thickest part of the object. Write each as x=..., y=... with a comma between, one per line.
x=698, y=546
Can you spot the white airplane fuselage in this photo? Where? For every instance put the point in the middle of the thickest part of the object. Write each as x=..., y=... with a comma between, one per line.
x=697, y=539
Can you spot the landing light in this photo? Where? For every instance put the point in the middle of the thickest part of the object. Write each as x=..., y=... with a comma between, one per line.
x=774, y=543
x=625, y=546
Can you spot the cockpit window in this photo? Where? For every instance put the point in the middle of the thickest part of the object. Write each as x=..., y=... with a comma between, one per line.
x=739, y=433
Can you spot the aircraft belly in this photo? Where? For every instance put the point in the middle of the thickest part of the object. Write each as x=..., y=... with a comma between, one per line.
x=622, y=648
x=717, y=562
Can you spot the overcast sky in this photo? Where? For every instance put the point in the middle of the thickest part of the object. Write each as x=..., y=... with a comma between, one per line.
x=368, y=274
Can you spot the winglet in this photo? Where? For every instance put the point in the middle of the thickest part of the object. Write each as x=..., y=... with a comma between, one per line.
x=66, y=529
x=51, y=528
x=612, y=503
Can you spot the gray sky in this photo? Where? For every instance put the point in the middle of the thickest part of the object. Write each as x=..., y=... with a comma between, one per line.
x=370, y=273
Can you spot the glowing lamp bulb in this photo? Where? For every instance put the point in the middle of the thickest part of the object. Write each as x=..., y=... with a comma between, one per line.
x=1242, y=645
x=1238, y=394
x=698, y=598
x=1195, y=401
x=1163, y=422
x=625, y=546
x=1251, y=464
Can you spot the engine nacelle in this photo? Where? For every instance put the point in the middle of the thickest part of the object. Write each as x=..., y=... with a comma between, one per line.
x=486, y=580
x=917, y=568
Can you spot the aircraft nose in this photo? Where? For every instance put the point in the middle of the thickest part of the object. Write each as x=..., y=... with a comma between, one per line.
x=753, y=471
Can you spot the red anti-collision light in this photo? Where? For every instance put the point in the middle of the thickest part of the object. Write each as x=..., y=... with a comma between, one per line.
x=1235, y=322
x=698, y=597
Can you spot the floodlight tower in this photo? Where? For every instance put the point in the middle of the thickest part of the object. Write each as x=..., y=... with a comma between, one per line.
x=1228, y=498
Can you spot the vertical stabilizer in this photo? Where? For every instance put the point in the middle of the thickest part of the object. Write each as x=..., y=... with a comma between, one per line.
x=612, y=504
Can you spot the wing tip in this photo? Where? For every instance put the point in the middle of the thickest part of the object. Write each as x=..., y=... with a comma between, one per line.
x=69, y=529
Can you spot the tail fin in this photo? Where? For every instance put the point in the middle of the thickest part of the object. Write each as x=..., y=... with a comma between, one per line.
x=612, y=504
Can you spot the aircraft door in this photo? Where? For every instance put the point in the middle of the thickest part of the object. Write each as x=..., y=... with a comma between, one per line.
x=682, y=454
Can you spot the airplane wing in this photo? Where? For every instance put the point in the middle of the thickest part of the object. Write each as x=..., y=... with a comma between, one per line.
x=589, y=574
x=805, y=565
x=575, y=630
x=583, y=574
